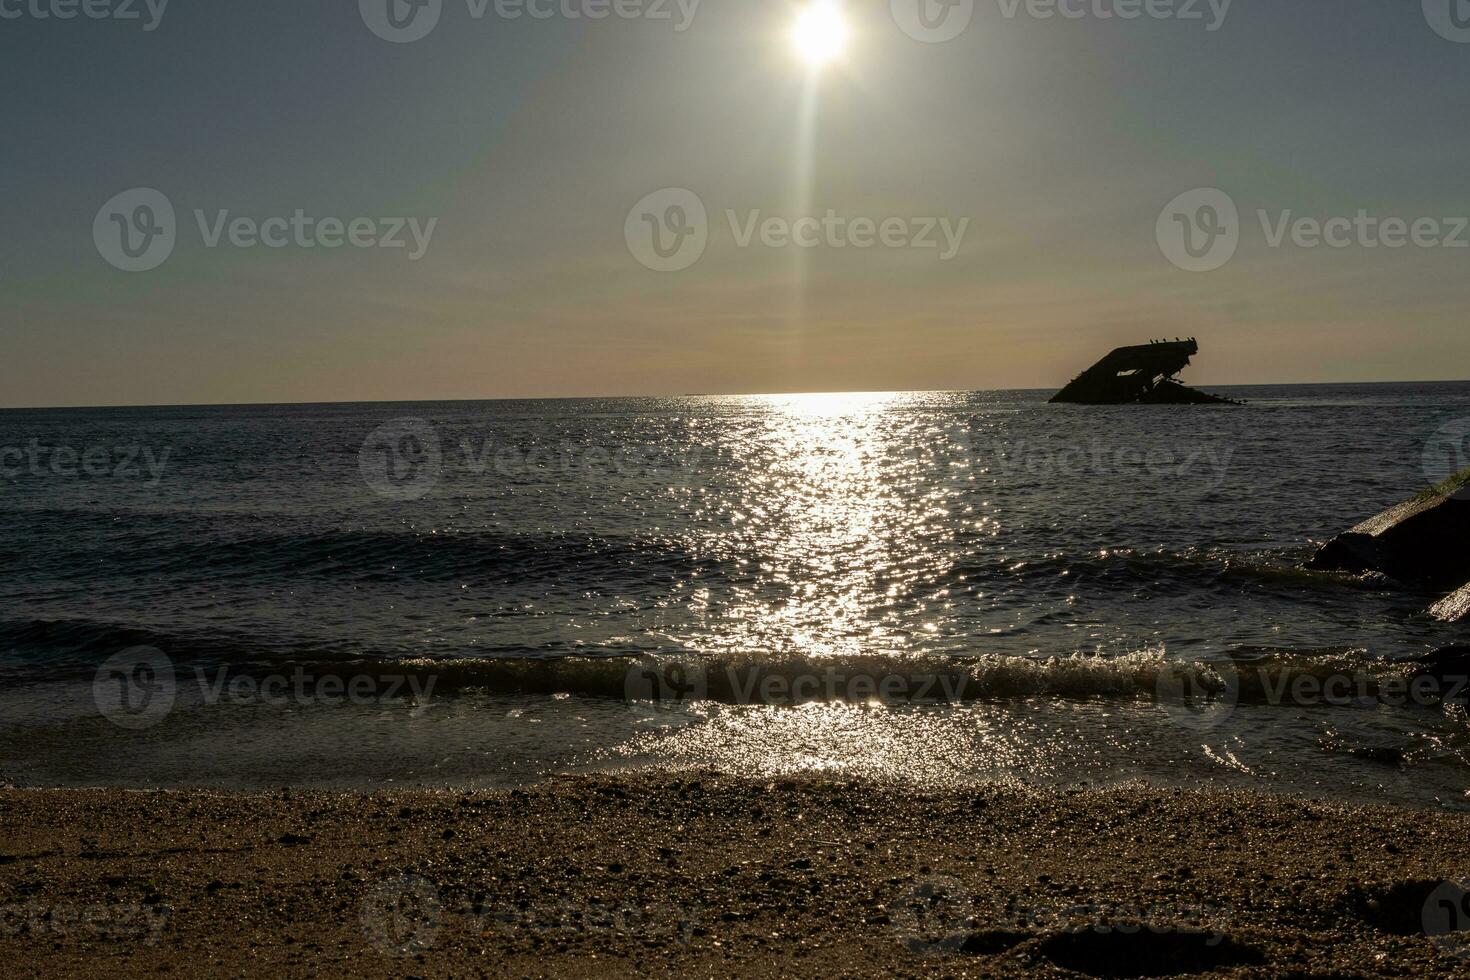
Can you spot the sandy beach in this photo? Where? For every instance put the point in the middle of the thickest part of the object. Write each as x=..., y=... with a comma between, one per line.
x=711, y=876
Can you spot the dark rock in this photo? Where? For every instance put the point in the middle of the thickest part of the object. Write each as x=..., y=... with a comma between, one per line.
x=1424, y=541
x=1449, y=668
x=1395, y=907
x=988, y=942
x=1385, y=755
x=1138, y=950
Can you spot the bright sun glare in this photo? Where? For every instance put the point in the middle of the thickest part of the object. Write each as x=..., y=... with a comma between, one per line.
x=820, y=33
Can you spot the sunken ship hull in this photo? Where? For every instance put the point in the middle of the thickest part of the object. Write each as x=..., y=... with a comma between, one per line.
x=1139, y=375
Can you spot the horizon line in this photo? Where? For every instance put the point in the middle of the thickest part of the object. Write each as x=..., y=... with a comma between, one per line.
x=733, y=394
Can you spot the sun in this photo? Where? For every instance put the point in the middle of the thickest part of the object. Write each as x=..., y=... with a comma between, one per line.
x=820, y=34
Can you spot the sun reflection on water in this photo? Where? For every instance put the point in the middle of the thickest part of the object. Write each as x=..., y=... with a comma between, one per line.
x=836, y=499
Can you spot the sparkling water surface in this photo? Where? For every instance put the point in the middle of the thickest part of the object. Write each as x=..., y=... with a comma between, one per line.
x=537, y=560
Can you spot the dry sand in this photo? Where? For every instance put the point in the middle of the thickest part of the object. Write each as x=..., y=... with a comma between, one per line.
x=708, y=876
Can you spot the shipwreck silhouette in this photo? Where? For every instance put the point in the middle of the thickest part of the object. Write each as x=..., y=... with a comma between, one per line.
x=1142, y=375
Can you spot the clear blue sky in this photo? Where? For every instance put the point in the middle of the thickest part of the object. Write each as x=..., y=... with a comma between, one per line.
x=1060, y=140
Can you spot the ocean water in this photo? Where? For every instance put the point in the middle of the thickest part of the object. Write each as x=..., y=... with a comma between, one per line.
x=938, y=588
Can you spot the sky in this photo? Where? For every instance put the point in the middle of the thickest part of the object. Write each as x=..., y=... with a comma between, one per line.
x=531, y=153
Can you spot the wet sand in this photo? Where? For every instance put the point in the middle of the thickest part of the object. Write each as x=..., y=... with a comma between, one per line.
x=620, y=876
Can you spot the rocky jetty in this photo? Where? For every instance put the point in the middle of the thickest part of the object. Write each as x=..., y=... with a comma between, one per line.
x=1423, y=542
x=1453, y=607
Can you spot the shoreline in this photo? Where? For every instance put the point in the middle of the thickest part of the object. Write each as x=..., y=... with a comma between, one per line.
x=623, y=875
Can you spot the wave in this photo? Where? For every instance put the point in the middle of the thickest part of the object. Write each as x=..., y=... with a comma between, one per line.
x=59, y=645
x=157, y=549
x=1333, y=678
x=1165, y=571
x=374, y=556
x=1346, y=676
x=49, y=649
